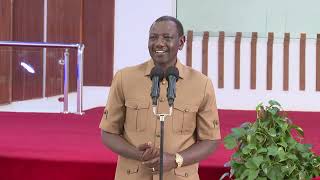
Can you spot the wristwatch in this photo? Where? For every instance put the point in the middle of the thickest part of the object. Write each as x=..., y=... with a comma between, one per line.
x=179, y=160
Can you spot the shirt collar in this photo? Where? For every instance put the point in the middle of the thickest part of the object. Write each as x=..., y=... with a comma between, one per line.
x=179, y=66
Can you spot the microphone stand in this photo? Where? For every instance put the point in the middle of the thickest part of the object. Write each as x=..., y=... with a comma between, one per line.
x=162, y=118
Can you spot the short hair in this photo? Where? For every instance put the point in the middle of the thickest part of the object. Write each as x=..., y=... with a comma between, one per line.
x=173, y=19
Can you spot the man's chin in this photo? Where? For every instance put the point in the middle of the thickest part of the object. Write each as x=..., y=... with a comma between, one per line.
x=160, y=61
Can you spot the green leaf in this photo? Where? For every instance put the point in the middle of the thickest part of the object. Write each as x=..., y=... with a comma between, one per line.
x=230, y=142
x=249, y=138
x=250, y=174
x=257, y=160
x=283, y=144
x=298, y=129
x=265, y=168
x=284, y=126
x=292, y=156
x=272, y=151
x=273, y=110
x=306, y=155
x=282, y=155
x=291, y=141
x=291, y=169
x=236, y=155
x=259, y=106
x=285, y=168
x=235, y=165
x=254, y=163
x=260, y=138
x=252, y=146
x=302, y=175
x=245, y=174
x=262, y=178
x=274, y=173
x=262, y=150
x=250, y=164
x=272, y=132
x=273, y=102
x=238, y=172
x=253, y=174
x=238, y=132
x=302, y=148
x=246, y=150
x=245, y=125
x=253, y=127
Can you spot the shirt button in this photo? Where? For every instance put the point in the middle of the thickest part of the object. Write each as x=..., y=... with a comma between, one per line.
x=128, y=171
x=186, y=174
x=158, y=135
x=186, y=110
x=161, y=99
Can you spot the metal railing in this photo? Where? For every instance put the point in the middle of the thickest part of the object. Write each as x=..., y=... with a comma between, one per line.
x=80, y=51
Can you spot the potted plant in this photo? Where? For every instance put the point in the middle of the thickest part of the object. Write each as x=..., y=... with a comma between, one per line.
x=267, y=149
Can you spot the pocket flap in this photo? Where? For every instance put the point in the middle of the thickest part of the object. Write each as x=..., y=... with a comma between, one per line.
x=132, y=170
x=135, y=104
x=185, y=107
x=186, y=171
x=128, y=165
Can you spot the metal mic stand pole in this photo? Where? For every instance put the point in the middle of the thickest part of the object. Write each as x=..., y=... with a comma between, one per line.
x=162, y=118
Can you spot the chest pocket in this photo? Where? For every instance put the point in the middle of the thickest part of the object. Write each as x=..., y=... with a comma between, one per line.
x=184, y=118
x=137, y=114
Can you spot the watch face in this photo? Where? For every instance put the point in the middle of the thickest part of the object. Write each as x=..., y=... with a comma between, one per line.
x=179, y=160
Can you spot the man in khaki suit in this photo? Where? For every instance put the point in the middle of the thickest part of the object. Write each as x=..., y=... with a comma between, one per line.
x=130, y=129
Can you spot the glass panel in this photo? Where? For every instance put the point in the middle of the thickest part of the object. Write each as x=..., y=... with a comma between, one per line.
x=265, y=16
x=5, y=75
x=22, y=79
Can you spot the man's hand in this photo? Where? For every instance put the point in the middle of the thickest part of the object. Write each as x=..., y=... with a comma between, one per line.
x=149, y=152
x=169, y=163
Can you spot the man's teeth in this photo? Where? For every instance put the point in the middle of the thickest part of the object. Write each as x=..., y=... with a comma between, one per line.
x=160, y=51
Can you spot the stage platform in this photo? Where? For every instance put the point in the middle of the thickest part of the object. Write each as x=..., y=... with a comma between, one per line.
x=53, y=146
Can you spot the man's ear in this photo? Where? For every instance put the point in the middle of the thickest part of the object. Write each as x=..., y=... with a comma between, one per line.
x=182, y=40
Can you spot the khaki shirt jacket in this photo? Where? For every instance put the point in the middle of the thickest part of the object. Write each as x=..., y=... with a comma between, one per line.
x=129, y=113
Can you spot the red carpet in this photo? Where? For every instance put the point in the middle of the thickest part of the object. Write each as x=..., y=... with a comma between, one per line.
x=37, y=146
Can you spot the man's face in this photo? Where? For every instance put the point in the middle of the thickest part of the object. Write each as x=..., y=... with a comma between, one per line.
x=164, y=43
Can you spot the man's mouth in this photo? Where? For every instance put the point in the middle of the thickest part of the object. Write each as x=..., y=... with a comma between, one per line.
x=160, y=52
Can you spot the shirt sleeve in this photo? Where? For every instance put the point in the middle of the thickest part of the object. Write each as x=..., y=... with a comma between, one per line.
x=114, y=113
x=208, y=126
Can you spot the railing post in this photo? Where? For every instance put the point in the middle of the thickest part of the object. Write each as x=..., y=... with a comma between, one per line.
x=66, y=81
x=80, y=78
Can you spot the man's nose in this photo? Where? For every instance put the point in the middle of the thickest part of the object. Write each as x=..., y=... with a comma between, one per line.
x=160, y=42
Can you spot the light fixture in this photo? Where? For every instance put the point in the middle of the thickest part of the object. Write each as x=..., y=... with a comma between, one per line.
x=28, y=67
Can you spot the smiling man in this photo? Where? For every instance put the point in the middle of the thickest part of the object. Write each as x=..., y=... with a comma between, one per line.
x=130, y=129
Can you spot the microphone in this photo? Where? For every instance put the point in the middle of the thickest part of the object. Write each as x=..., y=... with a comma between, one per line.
x=156, y=75
x=172, y=74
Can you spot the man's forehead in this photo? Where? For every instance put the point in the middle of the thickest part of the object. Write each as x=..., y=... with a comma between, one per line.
x=167, y=26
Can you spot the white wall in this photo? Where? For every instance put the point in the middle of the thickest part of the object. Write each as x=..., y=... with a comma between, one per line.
x=132, y=22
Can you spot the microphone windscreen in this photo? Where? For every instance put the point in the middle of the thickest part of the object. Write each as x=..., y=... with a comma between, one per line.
x=172, y=71
x=157, y=71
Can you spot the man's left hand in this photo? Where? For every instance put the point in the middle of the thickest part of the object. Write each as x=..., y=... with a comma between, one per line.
x=169, y=162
